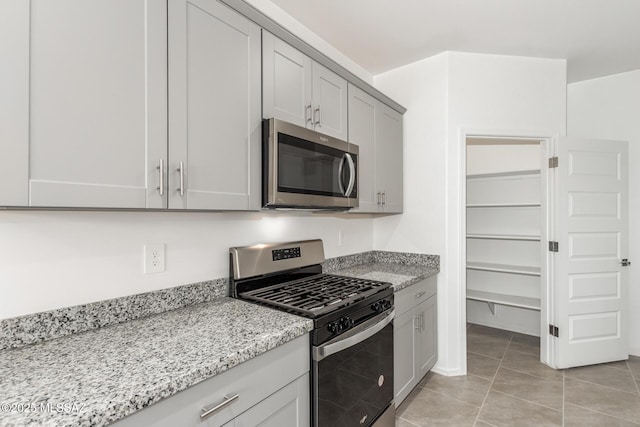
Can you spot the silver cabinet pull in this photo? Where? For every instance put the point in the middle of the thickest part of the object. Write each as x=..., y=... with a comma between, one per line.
x=422, y=320
x=307, y=115
x=416, y=323
x=378, y=194
x=181, y=172
x=207, y=411
x=419, y=294
x=317, y=110
x=384, y=198
x=160, y=168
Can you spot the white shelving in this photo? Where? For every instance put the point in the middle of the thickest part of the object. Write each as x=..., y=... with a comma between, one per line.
x=503, y=240
x=528, y=238
x=492, y=298
x=504, y=268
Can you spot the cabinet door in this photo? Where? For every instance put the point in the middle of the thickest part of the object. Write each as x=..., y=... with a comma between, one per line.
x=404, y=349
x=426, y=346
x=329, y=102
x=14, y=103
x=389, y=158
x=214, y=107
x=97, y=102
x=287, y=407
x=286, y=79
x=362, y=128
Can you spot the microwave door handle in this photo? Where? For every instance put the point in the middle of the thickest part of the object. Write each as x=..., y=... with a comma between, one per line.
x=352, y=175
x=340, y=167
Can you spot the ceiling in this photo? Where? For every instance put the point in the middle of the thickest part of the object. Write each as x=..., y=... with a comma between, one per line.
x=597, y=37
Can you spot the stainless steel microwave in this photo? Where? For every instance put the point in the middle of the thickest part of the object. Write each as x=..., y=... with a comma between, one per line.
x=305, y=169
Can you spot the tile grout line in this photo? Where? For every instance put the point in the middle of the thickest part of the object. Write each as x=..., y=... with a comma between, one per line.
x=607, y=386
x=493, y=380
x=633, y=377
x=605, y=414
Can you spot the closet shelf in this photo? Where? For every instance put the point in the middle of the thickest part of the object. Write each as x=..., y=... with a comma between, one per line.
x=503, y=205
x=504, y=268
x=525, y=173
x=504, y=299
x=530, y=238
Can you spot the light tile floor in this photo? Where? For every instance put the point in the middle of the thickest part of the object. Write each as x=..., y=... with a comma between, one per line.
x=507, y=385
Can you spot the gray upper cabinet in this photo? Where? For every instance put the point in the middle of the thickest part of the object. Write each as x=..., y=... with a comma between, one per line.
x=87, y=104
x=214, y=107
x=377, y=130
x=301, y=91
x=389, y=158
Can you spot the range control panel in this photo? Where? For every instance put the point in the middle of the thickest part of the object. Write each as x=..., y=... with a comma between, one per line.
x=288, y=253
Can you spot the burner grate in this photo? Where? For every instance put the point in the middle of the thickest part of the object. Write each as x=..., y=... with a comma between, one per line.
x=316, y=295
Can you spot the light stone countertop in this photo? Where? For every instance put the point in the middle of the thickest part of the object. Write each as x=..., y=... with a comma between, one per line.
x=111, y=372
x=399, y=275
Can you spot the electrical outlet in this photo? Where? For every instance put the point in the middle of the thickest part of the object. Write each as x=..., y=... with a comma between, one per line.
x=153, y=258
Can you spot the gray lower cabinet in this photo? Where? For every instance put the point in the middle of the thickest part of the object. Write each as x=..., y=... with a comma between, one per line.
x=415, y=336
x=377, y=130
x=83, y=117
x=214, y=107
x=301, y=91
x=272, y=390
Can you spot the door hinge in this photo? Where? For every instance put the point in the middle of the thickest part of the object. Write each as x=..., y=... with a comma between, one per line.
x=625, y=263
x=553, y=330
x=553, y=162
x=553, y=246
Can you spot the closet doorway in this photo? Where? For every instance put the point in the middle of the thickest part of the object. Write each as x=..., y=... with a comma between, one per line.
x=546, y=243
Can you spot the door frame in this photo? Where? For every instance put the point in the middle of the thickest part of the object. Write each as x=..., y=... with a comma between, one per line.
x=547, y=144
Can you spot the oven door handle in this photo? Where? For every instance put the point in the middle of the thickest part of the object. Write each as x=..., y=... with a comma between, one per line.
x=355, y=336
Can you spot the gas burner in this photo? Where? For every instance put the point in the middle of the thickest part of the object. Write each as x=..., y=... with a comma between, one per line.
x=316, y=295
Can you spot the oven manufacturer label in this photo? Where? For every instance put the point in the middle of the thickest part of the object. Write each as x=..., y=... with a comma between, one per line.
x=380, y=380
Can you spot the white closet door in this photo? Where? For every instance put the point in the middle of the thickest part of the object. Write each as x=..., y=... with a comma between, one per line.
x=592, y=230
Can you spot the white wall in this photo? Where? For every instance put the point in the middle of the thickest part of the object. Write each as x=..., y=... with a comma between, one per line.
x=485, y=94
x=57, y=259
x=609, y=108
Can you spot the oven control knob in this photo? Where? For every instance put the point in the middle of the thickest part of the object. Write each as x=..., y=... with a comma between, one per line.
x=333, y=327
x=346, y=323
x=386, y=304
x=377, y=307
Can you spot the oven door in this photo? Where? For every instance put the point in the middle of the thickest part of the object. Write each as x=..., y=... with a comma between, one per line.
x=308, y=169
x=353, y=375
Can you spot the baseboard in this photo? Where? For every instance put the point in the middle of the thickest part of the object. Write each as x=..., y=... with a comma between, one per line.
x=501, y=325
x=634, y=351
x=447, y=372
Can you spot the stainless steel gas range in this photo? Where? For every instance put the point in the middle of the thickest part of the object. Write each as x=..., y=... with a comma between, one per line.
x=352, y=340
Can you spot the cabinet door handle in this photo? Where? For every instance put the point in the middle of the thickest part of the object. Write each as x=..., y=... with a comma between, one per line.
x=207, y=411
x=378, y=194
x=419, y=294
x=416, y=323
x=181, y=172
x=422, y=320
x=307, y=115
x=384, y=198
x=317, y=110
x=160, y=168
